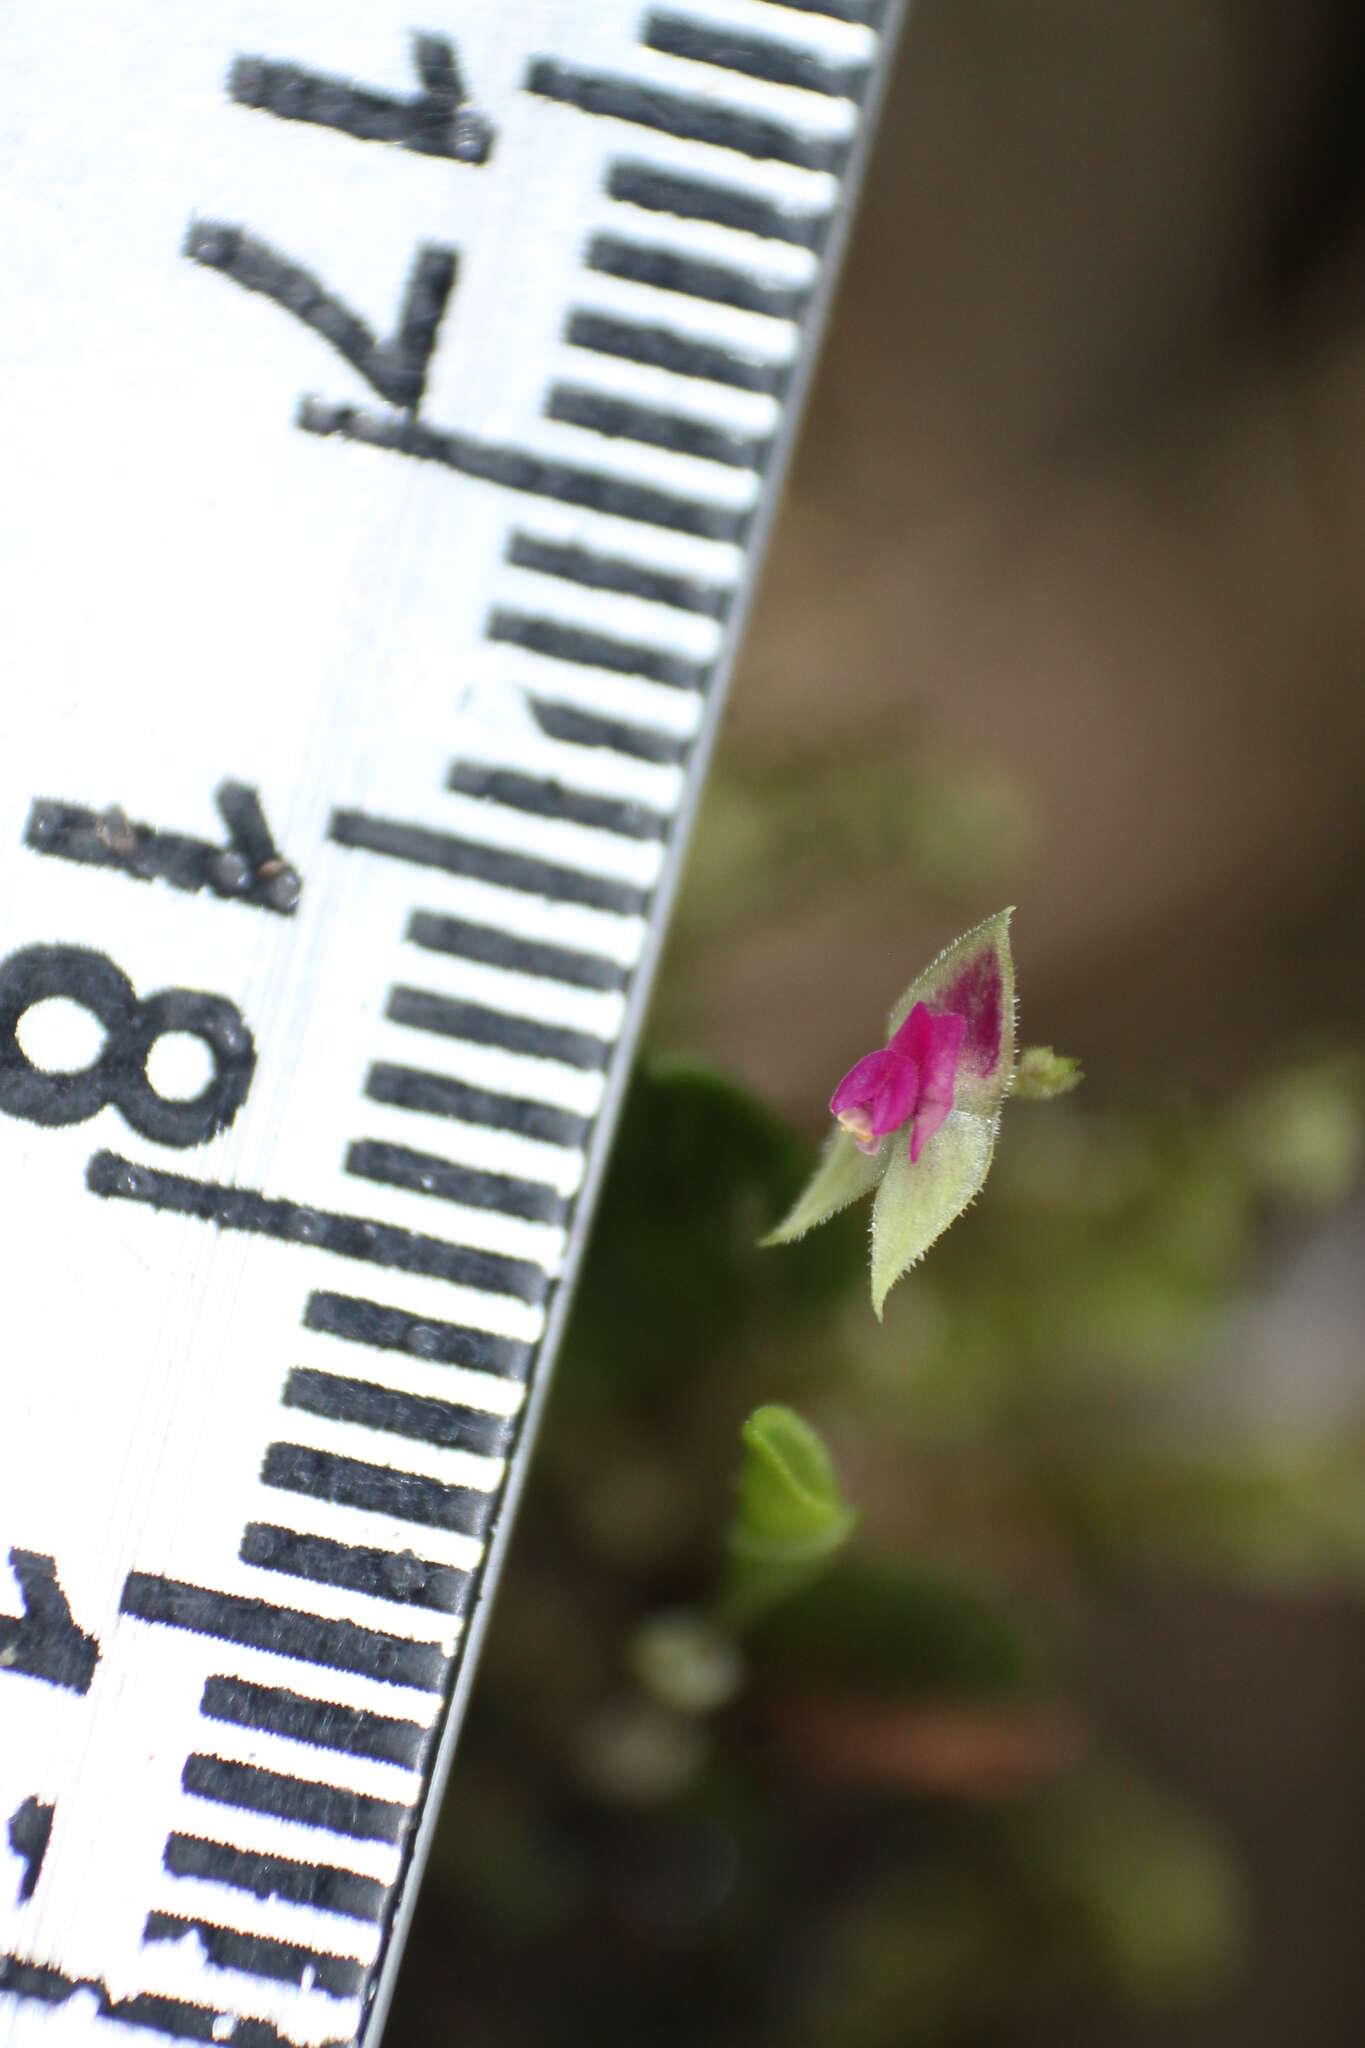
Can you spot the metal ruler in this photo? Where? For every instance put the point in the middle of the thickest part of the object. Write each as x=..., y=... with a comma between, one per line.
x=393, y=408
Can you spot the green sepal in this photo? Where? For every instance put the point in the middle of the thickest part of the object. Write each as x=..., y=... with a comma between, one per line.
x=1043, y=1074
x=915, y=1204
x=845, y=1172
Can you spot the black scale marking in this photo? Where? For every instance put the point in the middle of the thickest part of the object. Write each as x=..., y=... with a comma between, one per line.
x=622, y=419
x=321, y=1722
x=753, y=56
x=664, y=348
x=260, y=1625
x=398, y=1576
x=427, y=1421
x=260, y=1955
x=475, y=1024
x=496, y=948
x=573, y=563
x=588, y=729
x=314, y=1805
x=437, y=1095
x=657, y=190
x=587, y=649
x=397, y=1166
x=427, y=848
x=543, y=797
x=681, y=114
x=693, y=278
x=323, y=1885
x=379, y=1490
x=393, y=1329
x=350, y=1237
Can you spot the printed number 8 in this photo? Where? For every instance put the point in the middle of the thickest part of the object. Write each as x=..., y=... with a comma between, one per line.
x=132, y=1027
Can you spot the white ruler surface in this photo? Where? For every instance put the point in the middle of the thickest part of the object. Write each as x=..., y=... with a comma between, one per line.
x=392, y=404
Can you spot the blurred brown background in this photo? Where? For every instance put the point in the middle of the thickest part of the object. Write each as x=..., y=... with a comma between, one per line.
x=1079, y=512
x=1079, y=495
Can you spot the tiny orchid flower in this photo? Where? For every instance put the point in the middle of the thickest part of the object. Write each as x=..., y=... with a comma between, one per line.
x=910, y=1081
x=944, y=1073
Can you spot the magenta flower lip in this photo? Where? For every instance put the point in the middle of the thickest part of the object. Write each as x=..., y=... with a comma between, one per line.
x=910, y=1081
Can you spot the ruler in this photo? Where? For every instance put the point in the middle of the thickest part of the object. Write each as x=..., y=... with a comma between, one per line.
x=393, y=410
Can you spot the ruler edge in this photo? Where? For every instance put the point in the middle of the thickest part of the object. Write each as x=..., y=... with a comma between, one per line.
x=626, y=1052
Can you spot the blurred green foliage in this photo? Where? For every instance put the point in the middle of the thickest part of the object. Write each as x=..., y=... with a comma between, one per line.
x=883, y=1810
x=897, y=1629
x=699, y=1169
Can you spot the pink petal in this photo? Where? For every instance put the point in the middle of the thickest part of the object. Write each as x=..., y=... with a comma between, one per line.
x=861, y=1082
x=895, y=1100
x=928, y=1118
x=934, y=1042
x=883, y=1087
x=913, y=1039
x=938, y=1063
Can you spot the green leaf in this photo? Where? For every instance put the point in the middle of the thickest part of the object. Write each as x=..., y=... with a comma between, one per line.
x=1042, y=1074
x=790, y=1500
x=845, y=1172
x=791, y=1517
x=975, y=977
x=915, y=1204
